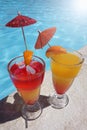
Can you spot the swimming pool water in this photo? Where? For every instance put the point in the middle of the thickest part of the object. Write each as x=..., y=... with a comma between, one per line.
x=70, y=21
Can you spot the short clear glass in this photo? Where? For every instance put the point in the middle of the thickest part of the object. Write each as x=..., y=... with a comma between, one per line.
x=28, y=80
x=65, y=68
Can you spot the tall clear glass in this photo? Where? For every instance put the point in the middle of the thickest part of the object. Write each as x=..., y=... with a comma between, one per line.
x=65, y=68
x=28, y=80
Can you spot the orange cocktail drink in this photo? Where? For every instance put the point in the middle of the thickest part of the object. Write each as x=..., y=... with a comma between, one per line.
x=64, y=68
x=65, y=65
x=27, y=79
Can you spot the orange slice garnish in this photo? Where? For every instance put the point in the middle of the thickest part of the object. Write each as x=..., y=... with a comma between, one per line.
x=55, y=50
x=27, y=56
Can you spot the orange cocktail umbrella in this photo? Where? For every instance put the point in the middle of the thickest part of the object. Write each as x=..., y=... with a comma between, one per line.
x=44, y=37
x=21, y=21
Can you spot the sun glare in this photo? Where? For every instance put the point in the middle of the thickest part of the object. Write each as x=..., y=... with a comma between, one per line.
x=80, y=6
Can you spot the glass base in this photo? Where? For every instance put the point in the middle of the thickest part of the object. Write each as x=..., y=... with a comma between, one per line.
x=31, y=112
x=58, y=101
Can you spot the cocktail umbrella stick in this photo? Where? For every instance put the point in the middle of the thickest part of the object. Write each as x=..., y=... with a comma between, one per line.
x=24, y=38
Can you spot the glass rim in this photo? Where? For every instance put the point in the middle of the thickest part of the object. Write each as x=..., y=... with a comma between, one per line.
x=21, y=56
x=78, y=53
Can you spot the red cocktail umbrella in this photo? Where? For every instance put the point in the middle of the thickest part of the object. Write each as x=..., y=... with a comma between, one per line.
x=44, y=37
x=21, y=21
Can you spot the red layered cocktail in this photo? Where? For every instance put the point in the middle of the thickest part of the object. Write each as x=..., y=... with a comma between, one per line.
x=27, y=80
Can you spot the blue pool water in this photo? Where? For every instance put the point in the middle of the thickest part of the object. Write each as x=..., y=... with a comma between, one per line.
x=68, y=16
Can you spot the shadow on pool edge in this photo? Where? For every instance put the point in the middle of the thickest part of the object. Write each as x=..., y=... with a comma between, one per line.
x=11, y=111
